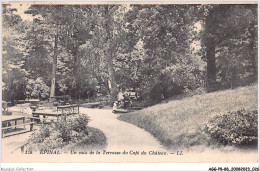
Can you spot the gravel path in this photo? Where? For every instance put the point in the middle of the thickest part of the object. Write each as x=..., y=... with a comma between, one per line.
x=121, y=135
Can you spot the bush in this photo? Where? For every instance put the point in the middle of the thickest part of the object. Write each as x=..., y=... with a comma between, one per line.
x=162, y=88
x=45, y=139
x=80, y=124
x=234, y=128
x=57, y=134
x=13, y=85
x=64, y=129
x=37, y=88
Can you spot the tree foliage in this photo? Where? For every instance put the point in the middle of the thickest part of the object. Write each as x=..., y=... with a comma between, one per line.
x=13, y=54
x=229, y=40
x=157, y=50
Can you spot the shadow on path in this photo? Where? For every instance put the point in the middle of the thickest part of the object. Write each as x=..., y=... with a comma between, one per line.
x=95, y=141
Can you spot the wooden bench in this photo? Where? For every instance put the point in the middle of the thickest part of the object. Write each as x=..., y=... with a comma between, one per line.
x=44, y=120
x=21, y=147
x=62, y=99
x=137, y=108
x=36, y=115
x=68, y=109
x=6, y=124
x=20, y=101
x=120, y=111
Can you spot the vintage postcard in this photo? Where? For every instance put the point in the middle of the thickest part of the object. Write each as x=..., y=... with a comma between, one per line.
x=129, y=81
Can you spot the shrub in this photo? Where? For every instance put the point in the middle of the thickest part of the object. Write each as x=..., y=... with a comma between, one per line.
x=64, y=129
x=45, y=139
x=80, y=124
x=37, y=88
x=57, y=134
x=13, y=84
x=234, y=128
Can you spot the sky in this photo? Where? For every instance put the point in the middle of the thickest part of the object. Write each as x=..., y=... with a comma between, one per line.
x=21, y=8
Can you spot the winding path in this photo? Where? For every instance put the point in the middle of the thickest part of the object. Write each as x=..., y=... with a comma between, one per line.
x=121, y=135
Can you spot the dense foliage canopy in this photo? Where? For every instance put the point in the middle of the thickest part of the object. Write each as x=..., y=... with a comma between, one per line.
x=158, y=51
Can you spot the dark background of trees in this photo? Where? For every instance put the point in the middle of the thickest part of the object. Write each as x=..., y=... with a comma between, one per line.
x=159, y=51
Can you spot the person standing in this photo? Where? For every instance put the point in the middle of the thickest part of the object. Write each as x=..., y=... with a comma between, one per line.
x=126, y=101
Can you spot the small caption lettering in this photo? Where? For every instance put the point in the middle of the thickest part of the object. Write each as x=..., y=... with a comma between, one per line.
x=107, y=152
x=17, y=169
x=233, y=169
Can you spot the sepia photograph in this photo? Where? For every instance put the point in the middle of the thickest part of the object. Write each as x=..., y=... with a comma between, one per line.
x=129, y=82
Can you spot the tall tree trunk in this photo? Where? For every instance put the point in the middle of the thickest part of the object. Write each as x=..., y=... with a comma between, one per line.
x=111, y=71
x=256, y=65
x=210, y=51
x=211, y=66
x=253, y=51
x=253, y=41
x=109, y=55
x=76, y=69
x=54, y=67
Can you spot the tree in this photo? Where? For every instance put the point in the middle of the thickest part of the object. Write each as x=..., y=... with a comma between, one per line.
x=49, y=20
x=165, y=32
x=13, y=46
x=108, y=20
x=225, y=26
x=149, y=48
x=38, y=52
x=62, y=24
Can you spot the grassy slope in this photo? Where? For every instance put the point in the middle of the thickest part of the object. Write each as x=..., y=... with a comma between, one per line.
x=180, y=123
